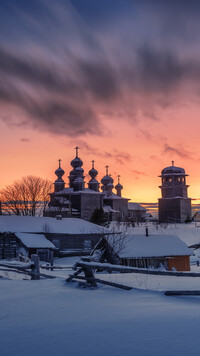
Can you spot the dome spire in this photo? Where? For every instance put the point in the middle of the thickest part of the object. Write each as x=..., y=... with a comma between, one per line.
x=76, y=148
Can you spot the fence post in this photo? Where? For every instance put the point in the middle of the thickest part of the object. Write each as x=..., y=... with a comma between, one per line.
x=36, y=269
x=51, y=259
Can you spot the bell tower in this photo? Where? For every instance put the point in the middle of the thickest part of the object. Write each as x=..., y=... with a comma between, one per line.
x=174, y=206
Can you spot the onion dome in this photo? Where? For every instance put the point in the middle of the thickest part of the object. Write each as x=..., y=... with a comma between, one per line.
x=79, y=171
x=59, y=172
x=76, y=162
x=93, y=172
x=59, y=184
x=118, y=186
x=105, y=180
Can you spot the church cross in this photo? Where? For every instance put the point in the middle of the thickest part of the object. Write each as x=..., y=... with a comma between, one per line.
x=76, y=148
x=107, y=170
x=59, y=162
x=118, y=177
x=92, y=163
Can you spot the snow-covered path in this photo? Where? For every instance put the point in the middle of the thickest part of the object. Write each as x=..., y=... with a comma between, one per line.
x=51, y=317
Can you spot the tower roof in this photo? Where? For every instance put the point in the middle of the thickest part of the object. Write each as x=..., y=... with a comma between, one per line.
x=173, y=170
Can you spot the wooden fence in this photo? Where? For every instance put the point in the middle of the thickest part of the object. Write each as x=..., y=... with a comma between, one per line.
x=88, y=269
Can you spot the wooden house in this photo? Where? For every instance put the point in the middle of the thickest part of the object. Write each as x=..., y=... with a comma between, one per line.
x=12, y=245
x=141, y=251
x=136, y=212
x=68, y=234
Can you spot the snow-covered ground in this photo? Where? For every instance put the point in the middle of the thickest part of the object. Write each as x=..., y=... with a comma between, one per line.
x=52, y=317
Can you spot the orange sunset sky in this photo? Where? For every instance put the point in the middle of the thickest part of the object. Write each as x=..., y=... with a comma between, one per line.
x=122, y=82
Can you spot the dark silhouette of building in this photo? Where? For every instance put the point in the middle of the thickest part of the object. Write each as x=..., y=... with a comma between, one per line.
x=79, y=201
x=174, y=206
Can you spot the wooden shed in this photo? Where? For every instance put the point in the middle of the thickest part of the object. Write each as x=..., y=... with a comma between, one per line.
x=14, y=244
x=141, y=251
x=156, y=251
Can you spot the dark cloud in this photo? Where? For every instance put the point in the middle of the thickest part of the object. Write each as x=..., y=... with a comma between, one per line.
x=64, y=73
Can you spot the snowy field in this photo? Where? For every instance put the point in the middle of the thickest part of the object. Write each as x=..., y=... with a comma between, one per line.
x=53, y=317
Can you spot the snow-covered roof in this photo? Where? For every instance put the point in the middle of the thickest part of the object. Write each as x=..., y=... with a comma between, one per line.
x=108, y=209
x=154, y=246
x=135, y=206
x=34, y=240
x=114, y=196
x=33, y=224
x=71, y=191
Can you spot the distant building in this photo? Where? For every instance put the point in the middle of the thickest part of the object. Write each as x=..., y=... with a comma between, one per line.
x=31, y=234
x=174, y=206
x=136, y=212
x=14, y=244
x=142, y=251
x=79, y=201
x=155, y=251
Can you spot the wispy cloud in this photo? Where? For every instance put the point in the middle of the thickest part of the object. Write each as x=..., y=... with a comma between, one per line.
x=178, y=151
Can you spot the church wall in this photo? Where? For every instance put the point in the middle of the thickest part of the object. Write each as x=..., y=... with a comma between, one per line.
x=169, y=210
x=185, y=209
x=174, y=210
x=90, y=202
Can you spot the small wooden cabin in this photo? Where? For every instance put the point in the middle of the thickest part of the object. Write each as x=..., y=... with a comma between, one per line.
x=141, y=251
x=156, y=251
x=14, y=244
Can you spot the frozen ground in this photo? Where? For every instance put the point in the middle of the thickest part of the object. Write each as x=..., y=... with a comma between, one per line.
x=51, y=317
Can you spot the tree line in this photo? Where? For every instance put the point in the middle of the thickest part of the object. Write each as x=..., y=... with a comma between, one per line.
x=27, y=196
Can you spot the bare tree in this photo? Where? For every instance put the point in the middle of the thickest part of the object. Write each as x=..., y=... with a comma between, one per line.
x=27, y=196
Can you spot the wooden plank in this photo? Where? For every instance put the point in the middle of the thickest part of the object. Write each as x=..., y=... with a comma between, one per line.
x=74, y=275
x=183, y=292
x=123, y=269
x=112, y=284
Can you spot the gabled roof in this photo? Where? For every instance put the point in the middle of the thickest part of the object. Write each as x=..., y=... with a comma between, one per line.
x=154, y=246
x=113, y=196
x=33, y=224
x=135, y=206
x=34, y=240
